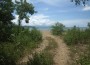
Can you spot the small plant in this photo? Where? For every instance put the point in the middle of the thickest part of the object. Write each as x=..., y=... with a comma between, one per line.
x=85, y=60
x=52, y=44
x=57, y=29
x=6, y=59
x=41, y=59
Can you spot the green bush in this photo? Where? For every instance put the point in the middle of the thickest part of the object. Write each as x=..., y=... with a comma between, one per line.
x=41, y=59
x=35, y=35
x=25, y=40
x=57, y=29
x=88, y=35
x=75, y=36
x=6, y=59
x=5, y=20
x=72, y=36
x=85, y=60
x=7, y=53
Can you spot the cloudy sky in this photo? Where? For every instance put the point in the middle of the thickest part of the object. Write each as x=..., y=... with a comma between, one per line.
x=63, y=11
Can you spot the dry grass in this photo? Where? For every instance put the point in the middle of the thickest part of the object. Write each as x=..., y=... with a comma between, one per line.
x=77, y=51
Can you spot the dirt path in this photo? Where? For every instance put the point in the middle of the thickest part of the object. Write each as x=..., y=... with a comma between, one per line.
x=62, y=52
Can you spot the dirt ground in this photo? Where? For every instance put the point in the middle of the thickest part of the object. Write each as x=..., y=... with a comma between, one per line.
x=61, y=53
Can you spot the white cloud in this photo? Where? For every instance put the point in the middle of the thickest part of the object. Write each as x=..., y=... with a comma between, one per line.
x=86, y=8
x=36, y=20
x=15, y=20
x=43, y=20
x=77, y=22
x=19, y=0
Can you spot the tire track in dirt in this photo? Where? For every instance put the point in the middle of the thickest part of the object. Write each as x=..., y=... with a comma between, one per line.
x=62, y=52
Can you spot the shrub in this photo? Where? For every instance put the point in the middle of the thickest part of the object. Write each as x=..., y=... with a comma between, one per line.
x=6, y=56
x=87, y=31
x=57, y=29
x=5, y=32
x=10, y=52
x=72, y=36
x=75, y=36
x=6, y=60
x=35, y=35
x=41, y=59
x=85, y=60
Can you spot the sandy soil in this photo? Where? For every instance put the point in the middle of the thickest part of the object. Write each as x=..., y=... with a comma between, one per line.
x=62, y=52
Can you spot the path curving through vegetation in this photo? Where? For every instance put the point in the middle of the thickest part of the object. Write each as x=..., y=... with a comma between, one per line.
x=62, y=52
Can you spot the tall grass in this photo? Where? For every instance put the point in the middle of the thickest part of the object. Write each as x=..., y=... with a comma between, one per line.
x=75, y=36
x=43, y=58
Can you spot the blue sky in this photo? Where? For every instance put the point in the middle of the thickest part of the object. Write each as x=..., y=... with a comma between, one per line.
x=63, y=11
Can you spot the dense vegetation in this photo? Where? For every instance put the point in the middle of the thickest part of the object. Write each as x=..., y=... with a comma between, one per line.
x=73, y=37
x=10, y=52
x=76, y=35
x=15, y=39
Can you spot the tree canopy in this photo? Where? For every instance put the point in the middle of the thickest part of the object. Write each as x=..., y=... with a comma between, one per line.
x=78, y=2
x=6, y=10
x=23, y=8
x=7, y=7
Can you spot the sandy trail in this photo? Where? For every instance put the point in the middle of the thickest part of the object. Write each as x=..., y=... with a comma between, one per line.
x=62, y=52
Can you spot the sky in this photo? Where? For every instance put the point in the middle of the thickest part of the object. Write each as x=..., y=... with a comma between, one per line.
x=51, y=11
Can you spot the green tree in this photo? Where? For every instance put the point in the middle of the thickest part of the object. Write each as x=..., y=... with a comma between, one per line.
x=89, y=25
x=6, y=10
x=78, y=2
x=57, y=29
x=23, y=9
